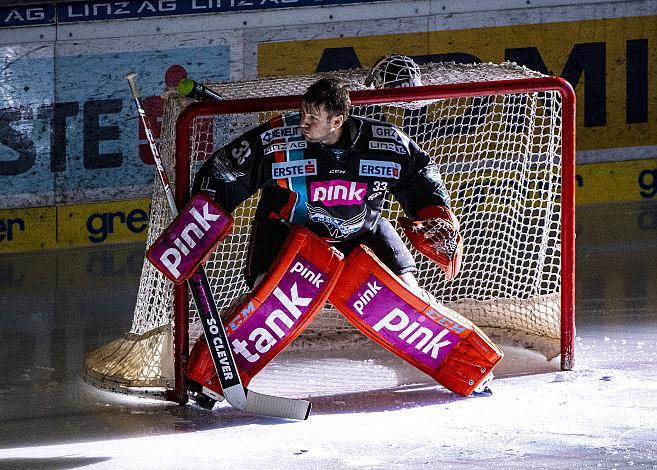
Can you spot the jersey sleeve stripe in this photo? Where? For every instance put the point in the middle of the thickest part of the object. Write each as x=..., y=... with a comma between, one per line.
x=297, y=184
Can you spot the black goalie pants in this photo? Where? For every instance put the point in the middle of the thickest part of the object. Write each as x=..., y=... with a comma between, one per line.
x=269, y=235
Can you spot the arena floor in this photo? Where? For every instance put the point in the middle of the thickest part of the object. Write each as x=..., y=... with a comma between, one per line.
x=371, y=411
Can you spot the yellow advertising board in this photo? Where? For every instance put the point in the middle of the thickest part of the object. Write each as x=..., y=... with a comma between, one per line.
x=30, y=229
x=633, y=180
x=27, y=229
x=107, y=222
x=610, y=62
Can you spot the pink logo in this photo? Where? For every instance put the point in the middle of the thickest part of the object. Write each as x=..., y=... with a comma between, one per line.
x=186, y=242
x=411, y=333
x=338, y=192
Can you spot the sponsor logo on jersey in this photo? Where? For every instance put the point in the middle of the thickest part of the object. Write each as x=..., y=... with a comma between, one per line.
x=386, y=132
x=338, y=228
x=280, y=133
x=282, y=146
x=292, y=169
x=380, y=169
x=388, y=146
x=338, y=192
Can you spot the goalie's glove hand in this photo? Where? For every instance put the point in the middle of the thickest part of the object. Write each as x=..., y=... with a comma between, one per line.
x=436, y=235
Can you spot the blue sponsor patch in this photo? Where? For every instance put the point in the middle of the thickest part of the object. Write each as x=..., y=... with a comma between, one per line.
x=294, y=169
x=284, y=132
x=379, y=169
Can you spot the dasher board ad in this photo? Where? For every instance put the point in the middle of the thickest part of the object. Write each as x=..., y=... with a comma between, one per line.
x=609, y=62
x=77, y=11
x=69, y=129
x=67, y=226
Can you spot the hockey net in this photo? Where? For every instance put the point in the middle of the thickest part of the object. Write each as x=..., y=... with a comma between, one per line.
x=503, y=138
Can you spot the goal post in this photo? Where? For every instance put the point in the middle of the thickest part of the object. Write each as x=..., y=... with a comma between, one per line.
x=503, y=138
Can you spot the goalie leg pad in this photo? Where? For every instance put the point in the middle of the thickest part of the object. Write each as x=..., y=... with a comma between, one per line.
x=266, y=320
x=190, y=238
x=425, y=333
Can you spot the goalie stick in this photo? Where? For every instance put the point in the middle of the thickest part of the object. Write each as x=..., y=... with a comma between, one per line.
x=234, y=391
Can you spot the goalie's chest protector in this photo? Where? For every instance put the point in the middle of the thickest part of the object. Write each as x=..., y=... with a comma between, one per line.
x=339, y=192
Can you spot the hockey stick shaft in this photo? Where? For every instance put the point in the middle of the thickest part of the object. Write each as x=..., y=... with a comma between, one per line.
x=198, y=283
x=134, y=89
x=234, y=391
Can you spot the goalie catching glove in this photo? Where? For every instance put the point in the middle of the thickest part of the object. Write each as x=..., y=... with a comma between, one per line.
x=436, y=235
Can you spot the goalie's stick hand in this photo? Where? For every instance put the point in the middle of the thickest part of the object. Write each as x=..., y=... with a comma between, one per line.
x=236, y=394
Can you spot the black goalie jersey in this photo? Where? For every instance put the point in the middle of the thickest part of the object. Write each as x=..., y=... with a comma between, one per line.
x=337, y=193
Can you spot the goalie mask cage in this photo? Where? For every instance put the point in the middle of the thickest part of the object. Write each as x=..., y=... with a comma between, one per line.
x=503, y=139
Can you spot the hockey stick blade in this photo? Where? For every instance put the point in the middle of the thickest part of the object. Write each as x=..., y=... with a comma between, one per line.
x=278, y=407
x=215, y=335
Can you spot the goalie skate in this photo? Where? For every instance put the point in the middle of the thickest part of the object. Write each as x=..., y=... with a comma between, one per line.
x=482, y=390
x=203, y=396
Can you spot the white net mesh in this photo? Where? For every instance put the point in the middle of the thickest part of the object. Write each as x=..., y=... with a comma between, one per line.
x=500, y=158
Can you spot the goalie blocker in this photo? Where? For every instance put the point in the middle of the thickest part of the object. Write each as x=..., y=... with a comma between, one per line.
x=262, y=323
x=430, y=336
x=190, y=238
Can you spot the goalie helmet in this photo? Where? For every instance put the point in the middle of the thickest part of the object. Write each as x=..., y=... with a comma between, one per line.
x=394, y=71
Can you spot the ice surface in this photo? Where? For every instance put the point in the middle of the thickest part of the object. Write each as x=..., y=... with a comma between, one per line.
x=370, y=410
